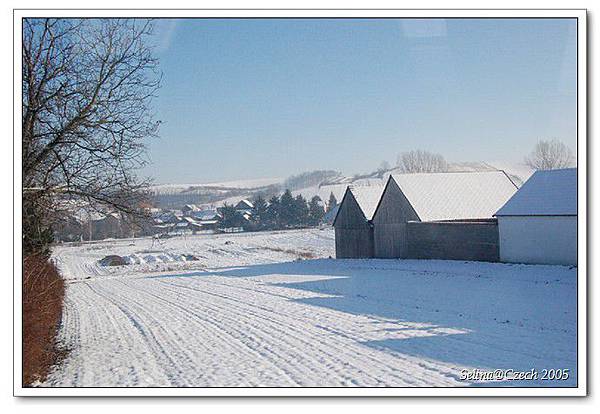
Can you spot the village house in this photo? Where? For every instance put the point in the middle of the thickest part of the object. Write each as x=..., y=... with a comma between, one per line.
x=208, y=219
x=441, y=215
x=209, y=214
x=244, y=207
x=105, y=226
x=189, y=209
x=539, y=223
x=352, y=223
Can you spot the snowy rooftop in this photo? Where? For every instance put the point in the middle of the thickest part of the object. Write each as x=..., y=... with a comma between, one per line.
x=456, y=195
x=549, y=193
x=367, y=197
x=206, y=214
x=244, y=204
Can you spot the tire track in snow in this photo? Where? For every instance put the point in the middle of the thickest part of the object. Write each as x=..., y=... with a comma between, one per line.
x=98, y=337
x=182, y=332
x=336, y=351
x=232, y=333
x=163, y=345
x=305, y=366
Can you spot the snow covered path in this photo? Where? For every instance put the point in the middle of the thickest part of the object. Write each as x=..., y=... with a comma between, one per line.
x=307, y=323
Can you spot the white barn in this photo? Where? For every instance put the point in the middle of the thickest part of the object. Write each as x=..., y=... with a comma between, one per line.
x=539, y=223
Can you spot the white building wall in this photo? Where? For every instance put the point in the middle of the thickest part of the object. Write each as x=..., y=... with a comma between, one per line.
x=538, y=239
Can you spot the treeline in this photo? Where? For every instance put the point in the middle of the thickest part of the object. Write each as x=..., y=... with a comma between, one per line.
x=279, y=212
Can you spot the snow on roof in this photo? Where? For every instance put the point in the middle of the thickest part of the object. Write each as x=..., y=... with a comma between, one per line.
x=206, y=214
x=244, y=202
x=546, y=193
x=456, y=195
x=205, y=222
x=367, y=197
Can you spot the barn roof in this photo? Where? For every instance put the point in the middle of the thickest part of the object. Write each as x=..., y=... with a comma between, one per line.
x=367, y=197
x=546, y=193
x=456, y=195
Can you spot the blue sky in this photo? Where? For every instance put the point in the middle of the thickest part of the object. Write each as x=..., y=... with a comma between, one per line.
x=271, y=98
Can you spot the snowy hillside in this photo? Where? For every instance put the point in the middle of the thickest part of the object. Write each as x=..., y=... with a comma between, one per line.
x=222, y=185
x=215, y=194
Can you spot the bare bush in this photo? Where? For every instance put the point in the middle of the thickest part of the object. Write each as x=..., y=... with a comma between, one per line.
x=549, y=155
x=43, y=292
x=419, y=161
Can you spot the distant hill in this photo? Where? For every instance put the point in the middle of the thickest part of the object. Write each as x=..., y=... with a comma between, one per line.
x=177, y=195
x=308, y=184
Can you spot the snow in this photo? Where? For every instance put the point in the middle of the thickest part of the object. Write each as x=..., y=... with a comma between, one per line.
x=248, y=313
x=367, y=198
x=219, y=190
x=244, y=204
x=456, y=195
x=516, y=170
x=546, y=193
x=242, y=184
x=204, y=215
x=80, y=260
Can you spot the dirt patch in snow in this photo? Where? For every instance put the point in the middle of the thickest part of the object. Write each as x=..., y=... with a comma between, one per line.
x=113, y=260
x=300, y=253
x=146, y=257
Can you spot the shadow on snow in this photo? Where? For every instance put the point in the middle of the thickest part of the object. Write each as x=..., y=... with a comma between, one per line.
x=468, y=314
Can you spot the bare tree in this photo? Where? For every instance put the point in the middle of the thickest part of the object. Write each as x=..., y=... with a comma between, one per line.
x=549, y=155
x=87, y=90
x=419, y=161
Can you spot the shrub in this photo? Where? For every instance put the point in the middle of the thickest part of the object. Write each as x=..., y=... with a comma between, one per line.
x=43, y=294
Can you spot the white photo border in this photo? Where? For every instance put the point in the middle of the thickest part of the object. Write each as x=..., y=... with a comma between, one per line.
x=582, y=223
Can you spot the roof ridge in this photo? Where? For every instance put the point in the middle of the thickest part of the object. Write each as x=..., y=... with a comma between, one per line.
x=451, y=172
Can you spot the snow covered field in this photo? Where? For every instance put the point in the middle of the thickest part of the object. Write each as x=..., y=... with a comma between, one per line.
x=249, y=313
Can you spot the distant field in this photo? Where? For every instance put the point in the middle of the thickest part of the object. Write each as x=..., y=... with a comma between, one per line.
x=253, y=311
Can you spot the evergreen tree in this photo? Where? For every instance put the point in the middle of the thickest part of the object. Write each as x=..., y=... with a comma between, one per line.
x=301, y=212
x=315, y=211
x=286, y=209
x=230, y=217
x=259, y=213
x=332, y=202
x=272, y=220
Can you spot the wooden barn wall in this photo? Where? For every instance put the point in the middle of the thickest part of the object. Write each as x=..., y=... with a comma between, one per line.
x=453, y=241
x=353, y=234
x=353, y=243
x=389, y=223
